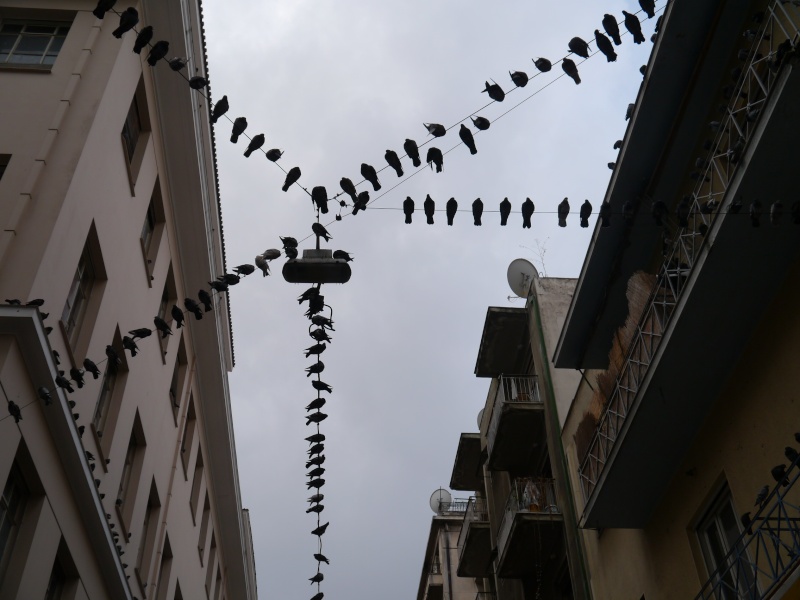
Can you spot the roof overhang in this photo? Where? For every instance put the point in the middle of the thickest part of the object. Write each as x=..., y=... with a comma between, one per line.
x=505, y=343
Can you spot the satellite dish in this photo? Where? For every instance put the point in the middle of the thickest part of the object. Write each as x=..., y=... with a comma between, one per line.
x=439, y=496
x=520, y=276
x=480, y=418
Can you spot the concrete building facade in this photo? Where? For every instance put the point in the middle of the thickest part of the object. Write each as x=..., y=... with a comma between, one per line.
x=128, y=486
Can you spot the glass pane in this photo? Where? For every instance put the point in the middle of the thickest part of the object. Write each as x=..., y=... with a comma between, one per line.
x=11, y=28
x=32, y=44
x=55, y=46
x=7, y=42
x=25, y=59
x=44, y=29
x=63, y=30
x=48, y=60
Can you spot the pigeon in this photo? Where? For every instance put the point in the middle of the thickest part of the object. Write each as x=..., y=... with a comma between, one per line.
x=570, y=69
x=143, y=38
x=316, y=449
x=205, y=300
x=586, y=212
x=178, y=64
x=477, y=211
x=317, y=367
x=316, y=498
x=320, y=197
x=649, y=7
x=231, y=278
x=315, y=349
x=412, y=151
x=519, y=78
x=746, y=523
x=394, y=162
x=323, y=322
x=157, y=52
x=315, y=483
x=239, y=125
x=791, y=454
x=63, y=382
x=44, y=395
x=218, y=286
x=318, y=596
x=321, y=558
x=13, y=302
x=775, y=212
x=481, y=123
x=543, y=64
x=321, y=386
x=320, y=231
x=196, y=83
x=319, y=471
x=451, y=207
x=317, y=460
x=316, y=438
x=316, y=578
x=127, y=21
x=320, y=335
x=466, y=136
x=605, y=214
x=435, y=129
x=579, y=46
x=288, y=242
x=113, y=358
x=262, y=265
x=408, y=209
x=659, y=212
x=317, y=508
x=56, y=357
x=255, y=144
x=310, y=293
x=103, y=6
x=435, y=157
x=779, y=474
x=643, y=70
x=14, y=411
x=632, y=24
x=617, y=144
x=605, y=46
x=762, y=496
x=220, y=108
x=348, y=187
x=316, y=417
x=612, y=28
x=755, y=213
x=315, y=404
x=527, y=213
x=505, y=210
x=130, y=345
x=563, y=212
x=91, y=368
x=629, y=111
x=682, y=211
x=342, y=255
x=162, y=326
x=495, y=92
x=362, y=200
x=315, y=305
x=429, y=206
x=320, y=530
x=291, y=178
x=193, y=308
x=368, y=173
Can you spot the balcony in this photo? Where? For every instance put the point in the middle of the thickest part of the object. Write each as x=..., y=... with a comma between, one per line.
x=467, y=470
x=516, y=437
x=532, y=528
x=474, y=543
x=435, y=585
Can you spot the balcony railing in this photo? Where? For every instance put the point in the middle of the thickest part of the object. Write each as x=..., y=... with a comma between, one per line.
x=455, y=507
x=476, y=511
x=747, y=100
x=512, y=389
x=766, y=553
x=528, y=495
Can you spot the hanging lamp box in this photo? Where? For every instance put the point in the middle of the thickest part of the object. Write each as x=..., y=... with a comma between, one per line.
x=317, y=266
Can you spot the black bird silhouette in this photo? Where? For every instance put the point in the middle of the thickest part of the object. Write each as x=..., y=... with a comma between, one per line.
x=140, y=332
x=315, y=404
x=13, y=302
x=316, y=578
x=505, y=210
x=255, y=144
x=218, y=286
x=348, y=187
x=113, y=358
x=586, y=212
x=320, y=335
x=244, y=270
x=466, y=136
x=649, y=7
x=435, y=129
x=342, y=255
x=239, y=125
x=127, y=21
x=791, y=454
x=143, y=38
x=394, y=162
x=779, y=474
x=317, y=508
x=543, y=64
x=157, y=52
x=178, y=64
x=368, y=173
x=310, y=293
x=746, y=523
x=205, y=300
x=317, y=367
x=220, y=108
x=44, y=394
x=316, y=438
x=288, y=242
x=233, y=279
x=63, y=382
x=412, y=151
x=162, y=326
x=317, y=460
x=193, y=308
x=527, y=213
x=177, y=315
x=316, y=417
x=89, y=365
x=320, y=530
x=612, y=28
x=315, y=483
x=361, y=202
x=291, y=178
x=495, y=92
x=633, y=25
x=481, y=123
x=435, y=157
x=320, y=197
x=477, y=211
x=56, y=357
x=579, y=46
x=451, y=207
x=103, y=6
x=659, y=212
x=319, y=470
x=571, y=69
x=274, y=154
x=316, y=498
x=755, y=213
x=315, y=305
x=14, y=411
x=321, y=558
x=197, y=82
x=320, y=231
x=316, y=449
x=605, y=46
x=315, y=349
x=323, y=322
x=563, y=212
x=429, y=206
x=130, y=345
x=761, y=496
x=682, y=211
x=321, y=386
x=318, y=596
x=605, y=214
x=617, y=144
x=520, y=78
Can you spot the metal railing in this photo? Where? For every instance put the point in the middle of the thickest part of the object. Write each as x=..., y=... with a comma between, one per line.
x=511, y=389
x=747, y=100
x=456, y=506
x=766, y=552
x=528, y=495
x=476, y=511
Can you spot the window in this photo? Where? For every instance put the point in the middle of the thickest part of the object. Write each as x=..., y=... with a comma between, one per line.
x=201, y=541
x=31, y=43
x=131, y=129
x=131, y=471
x=152, y=231
x=148, y=538
x=56, y=583
x=4, y=160
x=78, y=297
x=178, y=378
x=135, y=129
x=106, y=408
x=164, y=571
x=218, y=585
x=197, y=483
x=188, y=437
x=12, y=506
x=212, y=556
x=168, y=297
x=148, y=228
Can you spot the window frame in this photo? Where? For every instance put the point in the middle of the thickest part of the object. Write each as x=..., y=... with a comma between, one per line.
x=17, y=479
x=56, y=37
x=134, y=158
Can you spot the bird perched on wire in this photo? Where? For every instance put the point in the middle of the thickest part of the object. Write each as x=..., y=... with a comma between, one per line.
x=435, y=157
x=348, y=187
x=571, y=70
x=143, y=38
x=762, y=496
x=481, y=123
x=130, y=345
x=317, y=508
x=162, y=326
x=291, y=178
x=316, y=578
x=412, y=151
x=316, y=498
x=605, y=214
x=317, y=460
x=505, y=210
x=316, y=349
x=477, y=211
x=579, y=46
x=103, y=6
x=262, y=265
x=320, y=335
x=288, y=242
x=775, y=212
x=14, y=411
x=317, y=367
x=435, y=129
x=239, y=125
x=519, y=78
x=89, y=365
x=495, y=92
x=315, y=483
x=543, y=64
x=316, y=438
x=779, y=474
x=586, y=212
x=255, y=143
x=361, y=202
x=318, y=596
x=605, y=46
x=320, y=231
x=466, y=136
x=315, y=404
x=178, y=64
x=218, y=286
x=321, y=321
x=319, y=470
x=63, y=382
x=451, y=208
x=320, y=197
x=315, y=449
x=368, y=172
x=197, y=82
x=113, y=358
x=220, y=108
x=612, y=28
x=633, y=25
x=193, y=308
x=316, y=417
x=140, y=332
x=321, y=558
x=44, y=395
x=157, y=52
x=127, y=21
x=274, y=154
x=310, y=293
x=205, y=300
x=563, y=212
x=394, y=161
x=527, y=213
x=791, y=454
x=649, y=7
x=429, y=206
x=342, y=255
x=408, y=209
x=321, y=529
x=321, y=386
x=246, y=269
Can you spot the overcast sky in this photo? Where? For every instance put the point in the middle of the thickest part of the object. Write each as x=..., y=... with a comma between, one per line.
x=335, y=84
